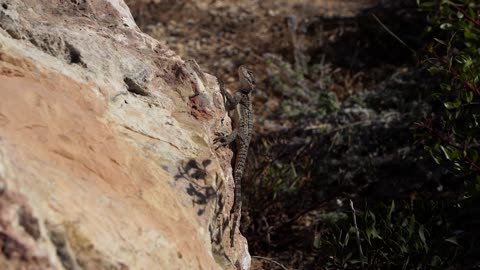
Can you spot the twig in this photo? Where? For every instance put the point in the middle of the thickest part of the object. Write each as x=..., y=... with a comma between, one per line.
x=270, y=260
x=292, y=25
x=340, y=128
x=472, y=163
x=471, y=87
x=358, y=235
x=393, y=34
x=457, y=76
x=466, y=15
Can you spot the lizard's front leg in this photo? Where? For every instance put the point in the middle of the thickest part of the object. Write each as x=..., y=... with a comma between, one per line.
x=231, y=101
x=226, y=140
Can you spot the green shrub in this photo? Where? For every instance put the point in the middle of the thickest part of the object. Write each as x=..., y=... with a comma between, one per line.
x=404, y=236
x=452, y=135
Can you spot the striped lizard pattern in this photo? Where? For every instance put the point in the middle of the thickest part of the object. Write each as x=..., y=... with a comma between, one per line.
x=242, y=132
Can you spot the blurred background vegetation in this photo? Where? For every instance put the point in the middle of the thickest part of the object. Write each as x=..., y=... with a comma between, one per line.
x=366, y=146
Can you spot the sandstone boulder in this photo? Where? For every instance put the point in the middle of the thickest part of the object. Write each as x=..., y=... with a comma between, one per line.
x=106, y=156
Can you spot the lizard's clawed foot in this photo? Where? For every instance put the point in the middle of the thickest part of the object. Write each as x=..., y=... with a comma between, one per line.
x=220, y=140
x=225, y=140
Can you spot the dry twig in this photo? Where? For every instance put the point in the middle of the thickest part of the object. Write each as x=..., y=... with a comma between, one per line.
x=358, y=234
x=270, y=260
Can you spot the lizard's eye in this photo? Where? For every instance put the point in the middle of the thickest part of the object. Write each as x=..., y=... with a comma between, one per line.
x=250, y=76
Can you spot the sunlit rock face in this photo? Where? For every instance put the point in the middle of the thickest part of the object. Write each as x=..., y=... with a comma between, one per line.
x=106, y=156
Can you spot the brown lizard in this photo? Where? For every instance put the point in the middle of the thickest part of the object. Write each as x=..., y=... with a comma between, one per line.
x=242, y=132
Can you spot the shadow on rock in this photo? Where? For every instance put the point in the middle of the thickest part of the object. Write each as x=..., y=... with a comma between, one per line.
x=198, y=188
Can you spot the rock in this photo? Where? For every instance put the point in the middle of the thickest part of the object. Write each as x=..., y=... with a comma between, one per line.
x=106, y=156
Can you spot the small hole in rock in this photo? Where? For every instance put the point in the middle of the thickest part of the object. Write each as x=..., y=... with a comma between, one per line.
x=4, y=6
x=74, y=55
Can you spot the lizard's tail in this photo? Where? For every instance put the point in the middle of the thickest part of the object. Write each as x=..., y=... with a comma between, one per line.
x=236, y=219
x=237, y=204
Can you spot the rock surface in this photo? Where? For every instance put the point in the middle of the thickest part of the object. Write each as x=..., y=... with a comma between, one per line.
x=106, y=157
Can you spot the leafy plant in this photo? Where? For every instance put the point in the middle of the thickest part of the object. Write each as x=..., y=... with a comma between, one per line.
x=403, y=236
x=451, y=135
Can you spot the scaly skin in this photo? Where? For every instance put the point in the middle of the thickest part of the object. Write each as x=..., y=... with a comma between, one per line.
x=241, y=133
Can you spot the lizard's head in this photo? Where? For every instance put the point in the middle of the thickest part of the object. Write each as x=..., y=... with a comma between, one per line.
x=247, y=81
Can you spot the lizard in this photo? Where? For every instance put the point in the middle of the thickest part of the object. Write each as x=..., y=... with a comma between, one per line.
x=242, y=132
